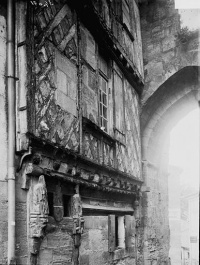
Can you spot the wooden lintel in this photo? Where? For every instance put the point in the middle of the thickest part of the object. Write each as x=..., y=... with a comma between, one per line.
x=106, y=208
x=80, y=160
x=36, y=171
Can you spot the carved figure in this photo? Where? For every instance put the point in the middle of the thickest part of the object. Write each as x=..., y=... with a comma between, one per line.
x=77, y=217
x=76, y=204
x=40, y=202
x=38, y=217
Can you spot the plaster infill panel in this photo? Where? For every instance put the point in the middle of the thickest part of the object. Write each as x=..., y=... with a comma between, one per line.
x=66, y=76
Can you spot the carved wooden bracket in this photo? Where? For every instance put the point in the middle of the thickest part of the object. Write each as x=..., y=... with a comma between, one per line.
x=77, y=217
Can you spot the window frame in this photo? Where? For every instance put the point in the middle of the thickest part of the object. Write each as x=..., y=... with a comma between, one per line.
x=126, y=20
x=105, y=76
x=129, y=228
x=120, y=133
x=119, y=7
x=103, y=118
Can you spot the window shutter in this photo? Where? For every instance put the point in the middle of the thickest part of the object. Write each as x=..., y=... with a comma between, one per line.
x=111, y=233
x=126, y=14
x=130, y=231
x=117, y=7
x=119, y=102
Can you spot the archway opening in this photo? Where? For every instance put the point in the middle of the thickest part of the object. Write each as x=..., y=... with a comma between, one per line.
x=170, y=103
x=183, y=190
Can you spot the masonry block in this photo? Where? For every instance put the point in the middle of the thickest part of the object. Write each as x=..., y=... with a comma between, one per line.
x=88, y=222
x=84, y=260
x=45, y=256
x=66, y=102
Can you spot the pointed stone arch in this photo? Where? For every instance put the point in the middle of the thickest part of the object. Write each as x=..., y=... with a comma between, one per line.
x=174, y=99
x=177, y=96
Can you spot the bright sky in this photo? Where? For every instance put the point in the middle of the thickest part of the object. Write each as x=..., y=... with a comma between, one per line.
x=189, y=11
x=185, y=143
x=185, y=148
x=187, y=4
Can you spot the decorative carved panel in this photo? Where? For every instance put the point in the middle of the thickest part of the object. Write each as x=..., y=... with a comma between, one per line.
x=91, y=146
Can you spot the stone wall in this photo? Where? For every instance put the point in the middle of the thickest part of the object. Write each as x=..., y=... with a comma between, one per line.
x=3, y=139
x=174, y=214
x=166, y=47
x=167, y=50
x=21, y=246
x=155, y=218
x=95, y=244
x=57, y=245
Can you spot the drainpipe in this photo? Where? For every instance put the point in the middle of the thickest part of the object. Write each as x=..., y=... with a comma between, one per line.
x=11, y=128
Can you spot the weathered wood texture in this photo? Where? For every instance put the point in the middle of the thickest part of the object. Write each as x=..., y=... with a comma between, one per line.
x=124, y=30
x=57, y=115
x=129, y=156
x=130, y=232
x=56, y=75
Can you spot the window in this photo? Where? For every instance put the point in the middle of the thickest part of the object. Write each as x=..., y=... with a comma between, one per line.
x=66, y=205
x=59, y=205
x=103, y=94
x=119, y=101
x=121, y=232
x=123, y=11
x=103, y=103
x=126, y=14
x=50, y=203
x=119, y=109
x=117, y=7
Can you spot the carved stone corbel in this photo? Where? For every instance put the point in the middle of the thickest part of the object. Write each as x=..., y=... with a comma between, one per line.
x=38, y=217
x=28, y=170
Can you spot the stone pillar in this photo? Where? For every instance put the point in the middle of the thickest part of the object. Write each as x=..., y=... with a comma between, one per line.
x=121, y=232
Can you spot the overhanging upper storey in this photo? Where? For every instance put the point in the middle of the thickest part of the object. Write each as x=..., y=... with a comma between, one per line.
x=116, y=25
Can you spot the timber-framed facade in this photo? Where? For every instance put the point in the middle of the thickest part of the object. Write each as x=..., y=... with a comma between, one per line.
x=79, y=145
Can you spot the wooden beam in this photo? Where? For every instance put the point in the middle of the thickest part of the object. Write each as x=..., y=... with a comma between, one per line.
x=54, y=23
x=107, y=208
x=70, y=34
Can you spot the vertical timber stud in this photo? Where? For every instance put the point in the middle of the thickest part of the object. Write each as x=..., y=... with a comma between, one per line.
x=78, y=220
x=128, y=228
x=79, y=105
x=130, y=232
x=11, y=128
x=111, y=233
x=31, y=86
